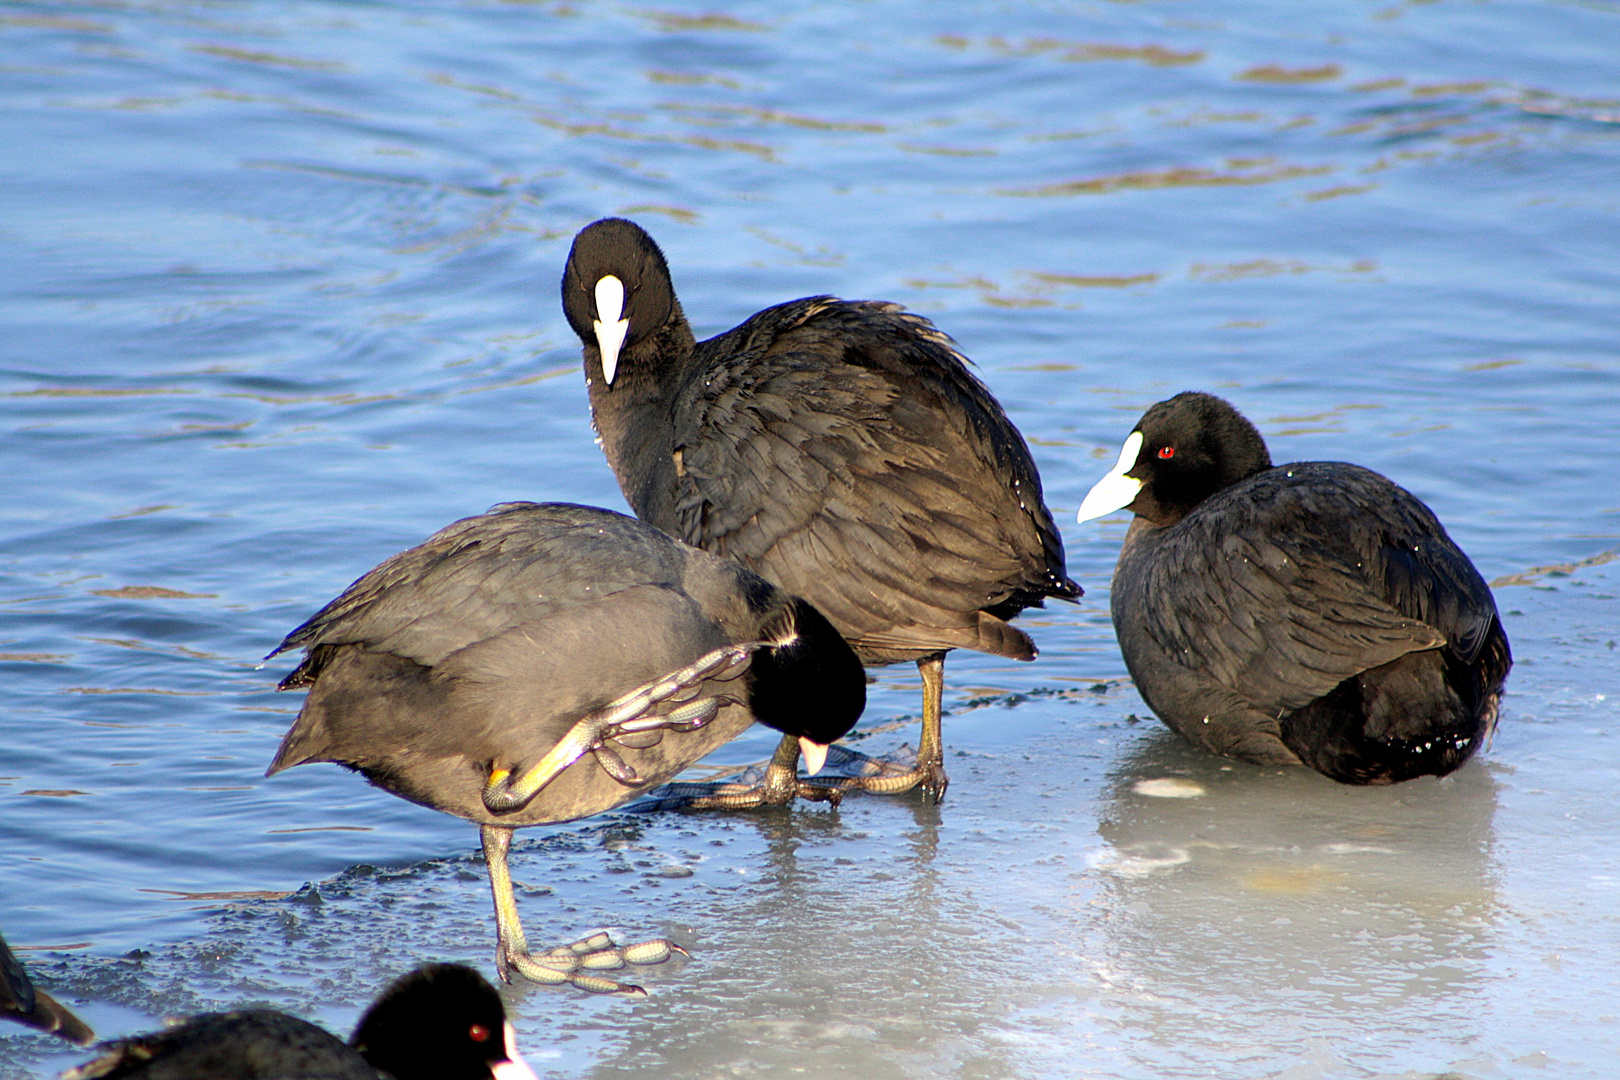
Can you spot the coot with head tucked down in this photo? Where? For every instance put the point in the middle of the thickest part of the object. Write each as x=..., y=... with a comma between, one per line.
x=840, y=448
x=22, y=1002
x=544, y=662
x=440, y=1022
x=1311, y=613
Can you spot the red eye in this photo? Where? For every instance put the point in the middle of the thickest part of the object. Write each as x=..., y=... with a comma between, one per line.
x=1167, y=451
x=478, y=1033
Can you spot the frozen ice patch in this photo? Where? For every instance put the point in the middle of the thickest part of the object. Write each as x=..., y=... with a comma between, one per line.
x=1356, y=849
x=1138, y=860
x=1168, y=787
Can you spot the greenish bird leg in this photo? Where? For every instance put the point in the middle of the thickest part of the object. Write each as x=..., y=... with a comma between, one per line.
x=569, y=963
x=929, y=770
x=780, y=786
x=782, y=783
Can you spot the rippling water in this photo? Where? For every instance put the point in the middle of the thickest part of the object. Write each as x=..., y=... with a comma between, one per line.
x=278, y=298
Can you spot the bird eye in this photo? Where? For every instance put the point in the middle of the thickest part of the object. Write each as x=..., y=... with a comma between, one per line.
x=1167, y=451
x=478, y=1033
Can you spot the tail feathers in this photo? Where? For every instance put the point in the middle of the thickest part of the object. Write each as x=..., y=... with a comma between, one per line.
x=25, y=1003
x=306, y=742
x=989, y=634
x=28, y=1004
x=50, y=1015
x=308, y=669
x=1000, y=638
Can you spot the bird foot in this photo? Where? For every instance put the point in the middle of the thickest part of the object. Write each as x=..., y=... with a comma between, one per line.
x=885, y=776
x=778, y=786
x=574, y=962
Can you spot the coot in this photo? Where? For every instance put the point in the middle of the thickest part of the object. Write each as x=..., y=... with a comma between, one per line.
x=440, y=1022
x=840, y=448
x=544, y=662
x=1311, y=613
x=22, y=1002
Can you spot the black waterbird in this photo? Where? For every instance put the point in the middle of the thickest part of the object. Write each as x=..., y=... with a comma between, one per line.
x=545, y=662
x=840, y=448
x=440, y=1022
x=1311, y=613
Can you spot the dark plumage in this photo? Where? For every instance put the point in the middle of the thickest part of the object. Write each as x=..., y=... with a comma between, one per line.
x=842, y=449
x=22, y=1002
x=1311, y=613
x=541, y=663
x=440, y=1022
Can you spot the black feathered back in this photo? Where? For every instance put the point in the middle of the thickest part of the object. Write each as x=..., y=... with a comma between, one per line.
x=249, y=1044
x=1313, y=612
x=840, y=448
x=419, y=1028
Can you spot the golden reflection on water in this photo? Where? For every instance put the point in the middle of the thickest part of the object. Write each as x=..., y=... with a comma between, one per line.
x=1281, y=76
x=672, y=22
x=1184, y=177
x=1074, y=51
x=1263, y=268
x=254, y=56
x=725, y=113
x=1095, y=281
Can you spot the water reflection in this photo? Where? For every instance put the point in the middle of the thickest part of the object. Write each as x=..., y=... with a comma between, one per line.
x=1245, y=901
x=821, y=947
x=843, y=953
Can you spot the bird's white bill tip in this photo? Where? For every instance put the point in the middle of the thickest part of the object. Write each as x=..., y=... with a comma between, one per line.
x=815, y=756
x=514, y=1067
x=609, y=325
x=1116, y=490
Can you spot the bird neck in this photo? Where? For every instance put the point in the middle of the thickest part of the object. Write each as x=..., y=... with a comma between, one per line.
x=1141, y=540
x=634, y=418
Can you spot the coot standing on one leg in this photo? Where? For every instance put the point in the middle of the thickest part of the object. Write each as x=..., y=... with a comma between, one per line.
x=545, y=662
x=842, y=449
x=1311, y=613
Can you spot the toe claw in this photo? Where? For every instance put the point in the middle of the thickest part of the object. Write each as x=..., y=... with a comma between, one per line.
x=819, y=793
x=596, y=985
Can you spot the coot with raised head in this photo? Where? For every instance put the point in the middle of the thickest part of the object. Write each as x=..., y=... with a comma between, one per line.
x=545, y=662
x=440, y=1022
x=1311, y=613
x=840, y=448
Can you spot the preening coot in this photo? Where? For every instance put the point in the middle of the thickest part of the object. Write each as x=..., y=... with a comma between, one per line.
x=840, y=448
x=1311, y=613
x=545, y=662
x=22, y=1002
x=440, y=1022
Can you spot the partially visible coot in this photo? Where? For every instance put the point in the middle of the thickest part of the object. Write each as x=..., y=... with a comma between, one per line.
x=840, y=448
x=1312, y=613
x=440, y=1022
x=545, y=662
x=21, y=1001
